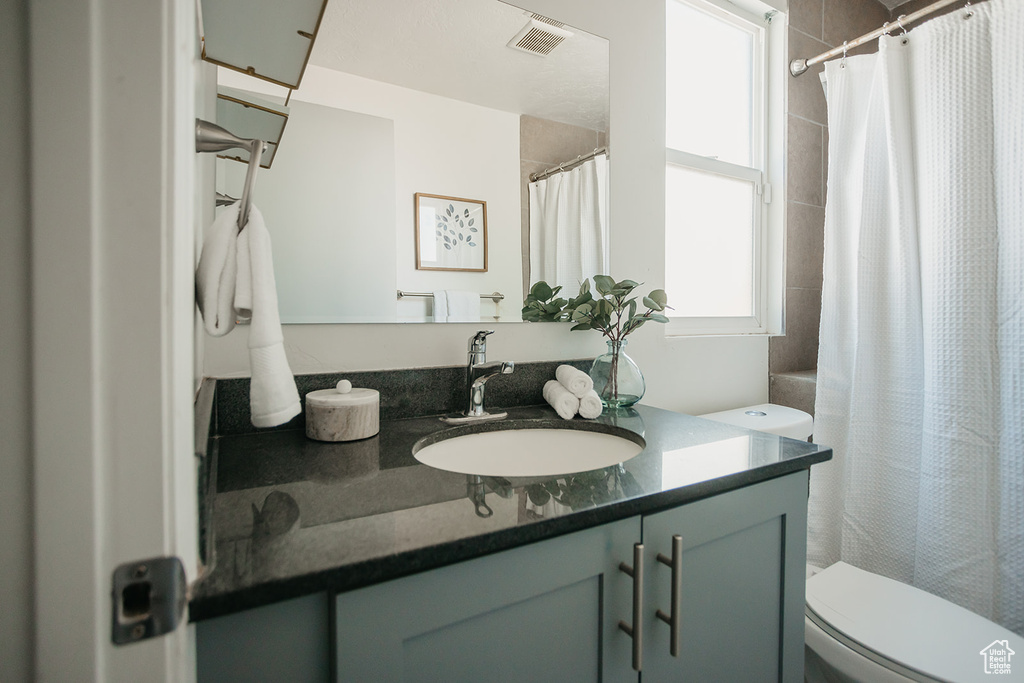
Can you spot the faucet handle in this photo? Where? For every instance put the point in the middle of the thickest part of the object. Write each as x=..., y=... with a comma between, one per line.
x=478, y=342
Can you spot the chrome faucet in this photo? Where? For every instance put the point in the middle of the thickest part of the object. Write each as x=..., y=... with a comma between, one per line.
x=478, y=371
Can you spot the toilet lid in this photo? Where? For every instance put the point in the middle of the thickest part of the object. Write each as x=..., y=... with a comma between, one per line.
x=894, y=623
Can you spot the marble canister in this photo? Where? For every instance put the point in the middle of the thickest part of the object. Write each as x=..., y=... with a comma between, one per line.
x=343, y=413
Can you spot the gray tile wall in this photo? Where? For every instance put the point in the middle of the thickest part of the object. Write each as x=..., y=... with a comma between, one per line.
x=543, y=144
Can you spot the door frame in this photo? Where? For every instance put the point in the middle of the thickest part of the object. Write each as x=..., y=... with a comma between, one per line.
x=111, y=85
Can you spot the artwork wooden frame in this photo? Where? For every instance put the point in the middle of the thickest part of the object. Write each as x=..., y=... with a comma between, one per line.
x=451, y=233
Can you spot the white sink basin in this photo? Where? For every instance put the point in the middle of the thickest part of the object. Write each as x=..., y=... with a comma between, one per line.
x=530, y=451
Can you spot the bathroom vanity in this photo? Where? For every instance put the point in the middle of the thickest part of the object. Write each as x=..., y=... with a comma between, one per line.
x=353, y=561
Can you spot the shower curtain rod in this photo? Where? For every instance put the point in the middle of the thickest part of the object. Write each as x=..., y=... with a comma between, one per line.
x=567, y=165
x=798, y=66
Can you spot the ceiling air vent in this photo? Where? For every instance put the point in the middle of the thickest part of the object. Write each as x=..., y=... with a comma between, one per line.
x=540, y=36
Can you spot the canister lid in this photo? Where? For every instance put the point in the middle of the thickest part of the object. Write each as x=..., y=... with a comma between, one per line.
x=343, y=395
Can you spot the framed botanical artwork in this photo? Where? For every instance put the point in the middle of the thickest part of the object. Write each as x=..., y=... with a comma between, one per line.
x=451, y=233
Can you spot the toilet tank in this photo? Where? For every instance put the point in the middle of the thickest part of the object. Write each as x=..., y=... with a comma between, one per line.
x=768, y=417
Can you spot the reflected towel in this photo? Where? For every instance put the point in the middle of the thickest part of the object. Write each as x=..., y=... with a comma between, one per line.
x=561, y=399
x=576, y=381
x=456, y=306
x=590, y=405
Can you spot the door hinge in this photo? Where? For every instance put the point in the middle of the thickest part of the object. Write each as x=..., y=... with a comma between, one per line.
x=148, y=599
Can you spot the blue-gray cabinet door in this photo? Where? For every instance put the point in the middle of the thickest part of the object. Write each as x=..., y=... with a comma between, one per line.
x=742, y=590
x=544, y=612
x=284, y=641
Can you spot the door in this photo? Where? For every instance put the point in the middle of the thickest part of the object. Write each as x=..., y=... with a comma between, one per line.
x=112, y=163
x=742, y=560
x=542, y=612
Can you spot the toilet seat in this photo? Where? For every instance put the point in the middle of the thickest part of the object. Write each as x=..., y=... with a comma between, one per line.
x=911, y=633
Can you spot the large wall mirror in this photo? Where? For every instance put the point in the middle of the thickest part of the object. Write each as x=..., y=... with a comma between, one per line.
x=425, y=98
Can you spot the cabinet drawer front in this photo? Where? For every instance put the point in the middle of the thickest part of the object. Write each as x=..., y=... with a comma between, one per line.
x=743, y=568
x=546, y=611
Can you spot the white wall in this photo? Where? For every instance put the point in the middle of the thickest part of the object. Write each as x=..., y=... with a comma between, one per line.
x=687, y=374
x=441, y=146
x=331, y=187
x=16, y=584
x=445, y=147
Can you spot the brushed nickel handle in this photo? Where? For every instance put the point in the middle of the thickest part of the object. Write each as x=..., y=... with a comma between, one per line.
x=636, y=572
x=676, y=565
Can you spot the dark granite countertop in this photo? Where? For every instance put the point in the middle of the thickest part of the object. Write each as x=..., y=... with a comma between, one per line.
x=291, y=516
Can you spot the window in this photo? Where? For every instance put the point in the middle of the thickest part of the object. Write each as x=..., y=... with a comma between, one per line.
x=723, y=151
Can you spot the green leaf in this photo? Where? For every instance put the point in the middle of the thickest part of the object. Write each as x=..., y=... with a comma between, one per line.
x=652, y=304
x=582, y=299
x=660, y=296
x=632, y=308
x=658, y=318
x=627, y=285
x=581, y=326
x=541, y=291
x=604, y=284
x=581, y=316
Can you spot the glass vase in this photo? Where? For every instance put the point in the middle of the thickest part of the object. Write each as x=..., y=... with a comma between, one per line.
x=617, y=379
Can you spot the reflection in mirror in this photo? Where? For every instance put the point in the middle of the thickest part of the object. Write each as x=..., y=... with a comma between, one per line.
x=403, y=98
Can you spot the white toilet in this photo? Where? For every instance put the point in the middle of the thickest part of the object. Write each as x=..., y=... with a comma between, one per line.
x=861, y=626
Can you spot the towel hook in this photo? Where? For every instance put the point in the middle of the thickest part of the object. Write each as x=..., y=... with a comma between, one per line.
x=842, y=64
x=968, y=12
x=212, y=138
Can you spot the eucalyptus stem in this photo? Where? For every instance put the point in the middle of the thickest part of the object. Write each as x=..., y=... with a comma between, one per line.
x=613, y=379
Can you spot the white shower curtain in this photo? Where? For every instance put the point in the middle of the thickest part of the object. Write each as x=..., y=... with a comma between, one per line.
x=921, y=362
x=569, y=226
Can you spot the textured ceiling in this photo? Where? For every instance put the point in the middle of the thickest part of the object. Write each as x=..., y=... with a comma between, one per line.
x=457, y=49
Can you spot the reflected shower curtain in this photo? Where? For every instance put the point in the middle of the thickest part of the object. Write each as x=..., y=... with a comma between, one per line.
x=921, y=360
x=569, y=226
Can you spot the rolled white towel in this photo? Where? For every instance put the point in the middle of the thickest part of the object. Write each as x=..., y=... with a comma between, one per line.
x=561, y=399
x=576, y=381
x=590, y=405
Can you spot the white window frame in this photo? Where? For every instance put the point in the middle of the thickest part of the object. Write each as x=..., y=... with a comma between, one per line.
x=767, y=172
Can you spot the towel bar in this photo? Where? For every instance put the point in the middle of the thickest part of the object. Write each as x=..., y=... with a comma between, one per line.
x=212, y=138
x=495, y=296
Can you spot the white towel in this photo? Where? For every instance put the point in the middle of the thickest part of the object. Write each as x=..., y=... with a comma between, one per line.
x=576, y=381
x=590, y=405
x=273, y=397
x=217, y=274
x=456, y=306
x=235, y=279
x=561, y=399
